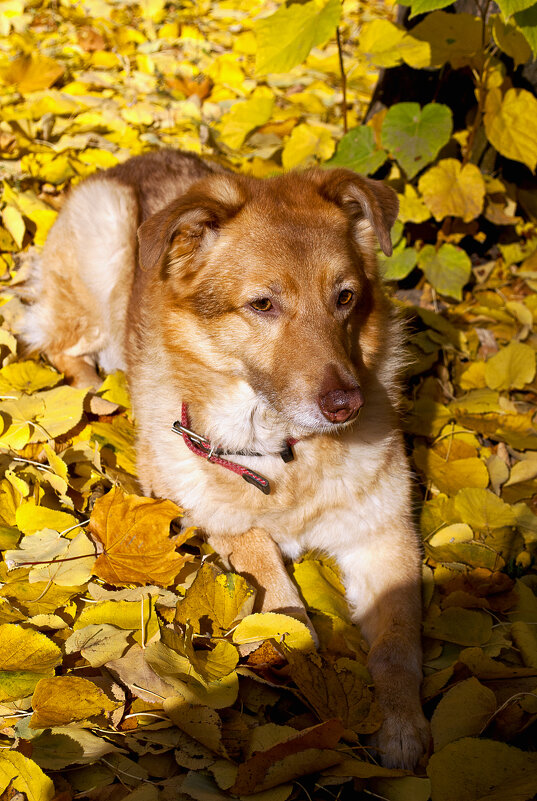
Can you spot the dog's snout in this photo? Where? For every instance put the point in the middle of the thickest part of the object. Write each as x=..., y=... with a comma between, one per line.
x=340, y=399
x=340, y=405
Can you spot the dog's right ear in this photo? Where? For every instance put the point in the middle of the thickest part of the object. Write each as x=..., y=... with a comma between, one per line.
x=176, y=232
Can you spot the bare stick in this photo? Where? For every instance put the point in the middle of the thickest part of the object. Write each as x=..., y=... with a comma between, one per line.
x=343, y=81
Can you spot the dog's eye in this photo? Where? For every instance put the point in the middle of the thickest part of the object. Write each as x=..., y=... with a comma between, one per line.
x=345, y=297
x=262, y=305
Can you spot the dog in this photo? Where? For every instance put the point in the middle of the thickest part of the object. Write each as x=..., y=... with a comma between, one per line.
x=263, y=360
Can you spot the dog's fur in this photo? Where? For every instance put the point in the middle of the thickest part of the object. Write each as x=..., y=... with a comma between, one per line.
x=177, y=317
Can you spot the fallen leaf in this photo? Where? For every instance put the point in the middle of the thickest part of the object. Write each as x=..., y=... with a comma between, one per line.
x=222, y=598
x=135, y=534
x=465, y=710
x=20, y=774
x=65, y=699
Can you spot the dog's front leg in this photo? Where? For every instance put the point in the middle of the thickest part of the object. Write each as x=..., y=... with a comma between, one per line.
x=383, y=582
x=256, y=556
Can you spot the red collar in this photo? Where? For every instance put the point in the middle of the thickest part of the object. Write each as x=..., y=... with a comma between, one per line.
x=202, y=447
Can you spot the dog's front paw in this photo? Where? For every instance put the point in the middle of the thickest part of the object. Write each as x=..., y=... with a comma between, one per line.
x=402, y=739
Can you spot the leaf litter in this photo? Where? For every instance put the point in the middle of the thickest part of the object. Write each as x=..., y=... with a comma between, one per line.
x=131, y=663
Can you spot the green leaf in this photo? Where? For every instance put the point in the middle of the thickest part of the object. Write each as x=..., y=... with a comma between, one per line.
x=285, y=38
x=414, y=135
x=399, y=264
x=422, y=6
x=357, y=151
x=527, y=22
x=448, y=269
x=508, y=7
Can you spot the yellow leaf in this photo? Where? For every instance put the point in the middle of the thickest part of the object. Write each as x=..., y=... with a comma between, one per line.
x=139, y=114
x=48, y=167
x=133, y=615
x=244, y=116
x=473, y=376
x=72, y=567
x=411, y=206
x=453, y=38
x=26, y=649
x=60, y=700
x=30, y=206
x=14, y=223
x=114, y=388
x=135, y=534
x=450, y=189
x=98, y=643
x=274, y=626
x=119, y=436
x=380, y=40
x=222, y=598
x=511, y=40
x=481, y=509
x=226, y=71
x=460, y=626
x=525, y=639
x=306, y=145
x=321, y=588
x=511, y=368
x=451, y=476
x=32, y=72
x=200, y=723
x=18, y=774
x=463, y=711
x=98, y=158
x=27, y=377
x=509, y=124
x=18, y=417
x=31, y=518
x=524, y=470
x=457, y=532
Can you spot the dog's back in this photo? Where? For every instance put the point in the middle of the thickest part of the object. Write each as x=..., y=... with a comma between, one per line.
x=82, y=280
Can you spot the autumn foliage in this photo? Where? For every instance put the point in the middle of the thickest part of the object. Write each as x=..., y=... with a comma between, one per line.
x=131, y=663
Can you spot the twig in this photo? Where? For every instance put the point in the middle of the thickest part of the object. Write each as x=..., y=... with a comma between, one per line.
x=343, y=81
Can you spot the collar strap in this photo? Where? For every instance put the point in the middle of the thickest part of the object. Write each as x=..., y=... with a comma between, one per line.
x=202, y=447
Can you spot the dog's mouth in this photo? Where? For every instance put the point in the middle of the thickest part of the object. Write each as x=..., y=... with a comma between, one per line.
x=304, y=421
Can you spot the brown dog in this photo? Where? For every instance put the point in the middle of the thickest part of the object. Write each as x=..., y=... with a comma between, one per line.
x=256, y=318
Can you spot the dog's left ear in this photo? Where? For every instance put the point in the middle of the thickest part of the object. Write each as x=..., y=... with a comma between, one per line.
x=176, y=233
x=362, y=198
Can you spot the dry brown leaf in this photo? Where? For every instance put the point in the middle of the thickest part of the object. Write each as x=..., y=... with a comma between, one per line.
x=135, y=534
x=307, y=752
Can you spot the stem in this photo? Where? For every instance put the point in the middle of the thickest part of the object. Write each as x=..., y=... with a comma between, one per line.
x=343, y=81
x=481, y=83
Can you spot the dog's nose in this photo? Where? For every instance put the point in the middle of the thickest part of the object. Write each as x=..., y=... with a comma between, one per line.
x=340, y=405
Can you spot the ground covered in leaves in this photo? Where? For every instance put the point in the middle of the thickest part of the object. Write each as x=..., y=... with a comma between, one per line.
x=131, y=665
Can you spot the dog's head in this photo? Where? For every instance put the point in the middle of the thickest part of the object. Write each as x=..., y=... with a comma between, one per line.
x=280, y=275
